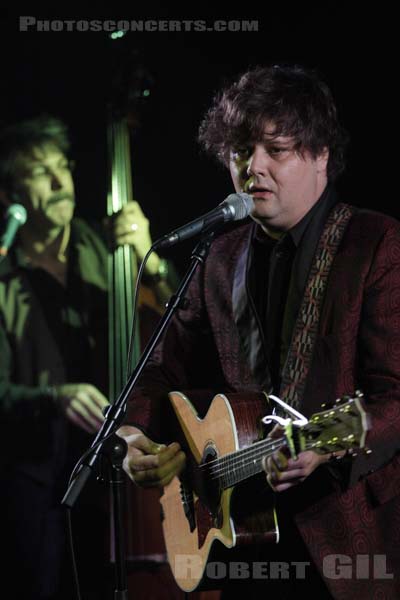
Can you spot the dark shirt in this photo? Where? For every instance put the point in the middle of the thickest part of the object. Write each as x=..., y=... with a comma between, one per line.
x=302, y=243
x=50, y=334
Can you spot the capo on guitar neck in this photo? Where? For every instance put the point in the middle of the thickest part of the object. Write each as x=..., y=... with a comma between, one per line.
x=287, y=424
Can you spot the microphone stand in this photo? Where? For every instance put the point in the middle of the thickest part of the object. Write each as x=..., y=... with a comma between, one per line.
x=107, y=442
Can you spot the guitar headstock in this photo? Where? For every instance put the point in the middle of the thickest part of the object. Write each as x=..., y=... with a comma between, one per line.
x=343, y=426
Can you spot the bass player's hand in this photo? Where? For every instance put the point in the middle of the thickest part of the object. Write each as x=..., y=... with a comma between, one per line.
x=150, y=464
x=82, y=404
x=130, y=226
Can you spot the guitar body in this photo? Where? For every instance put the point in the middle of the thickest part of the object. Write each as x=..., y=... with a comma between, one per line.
x=215, y=519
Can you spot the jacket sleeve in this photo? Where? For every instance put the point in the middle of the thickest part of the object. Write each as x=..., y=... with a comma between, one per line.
x=379, y=357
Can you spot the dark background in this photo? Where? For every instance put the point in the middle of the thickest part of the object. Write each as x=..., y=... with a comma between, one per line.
x=68, y=74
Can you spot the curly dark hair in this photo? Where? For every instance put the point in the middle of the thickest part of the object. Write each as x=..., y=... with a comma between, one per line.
x=294, y=99
x=23, y=137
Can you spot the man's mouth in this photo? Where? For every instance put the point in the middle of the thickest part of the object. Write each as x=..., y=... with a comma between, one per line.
x=56, y=199
x=258, y=191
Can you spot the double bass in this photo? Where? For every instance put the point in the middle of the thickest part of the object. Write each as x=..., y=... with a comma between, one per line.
x=145, y=546
x=144, y=540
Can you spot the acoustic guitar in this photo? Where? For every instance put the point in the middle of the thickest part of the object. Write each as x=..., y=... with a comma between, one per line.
x=202, y=511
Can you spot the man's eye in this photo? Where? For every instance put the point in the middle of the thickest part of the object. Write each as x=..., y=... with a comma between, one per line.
x=38, y=172
x=275, y=151
x=241, y=152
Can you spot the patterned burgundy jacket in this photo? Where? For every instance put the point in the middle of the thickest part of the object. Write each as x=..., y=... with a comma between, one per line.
x=214, y=343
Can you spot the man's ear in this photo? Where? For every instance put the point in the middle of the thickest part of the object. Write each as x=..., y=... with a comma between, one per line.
x=322, y=160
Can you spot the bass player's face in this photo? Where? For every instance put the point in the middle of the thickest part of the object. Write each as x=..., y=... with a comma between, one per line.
x=44, y=185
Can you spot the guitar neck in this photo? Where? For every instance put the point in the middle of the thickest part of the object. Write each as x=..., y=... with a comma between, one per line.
x=339, y=428
x=343, y=426
x=238, y=466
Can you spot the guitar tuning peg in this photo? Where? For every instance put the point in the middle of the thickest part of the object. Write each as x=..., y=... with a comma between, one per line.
x=367, y=451
x=343, y=399
x=359, y=394
x=323, y=405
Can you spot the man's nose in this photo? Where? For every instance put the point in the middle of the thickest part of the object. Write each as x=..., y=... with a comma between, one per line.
x=57, y=180
x=257, y=163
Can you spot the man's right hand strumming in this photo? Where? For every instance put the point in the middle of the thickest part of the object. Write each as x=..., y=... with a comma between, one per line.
x=150, y=464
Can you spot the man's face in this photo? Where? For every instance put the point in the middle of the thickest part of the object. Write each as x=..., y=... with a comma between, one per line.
x=44, y=185
x=283, y=182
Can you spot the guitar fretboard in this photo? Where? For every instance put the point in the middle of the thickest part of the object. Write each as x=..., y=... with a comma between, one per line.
x=339, y=428
x=233, y=468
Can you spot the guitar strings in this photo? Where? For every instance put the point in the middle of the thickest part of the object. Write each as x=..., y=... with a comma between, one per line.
x=226, y=464
x=238, y=461
x=264, y=444
x=239, y=454
x=231, y=467
x=234, y=467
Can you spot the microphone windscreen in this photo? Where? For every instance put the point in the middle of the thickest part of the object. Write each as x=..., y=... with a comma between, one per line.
x=18, y=212
x=241, y=203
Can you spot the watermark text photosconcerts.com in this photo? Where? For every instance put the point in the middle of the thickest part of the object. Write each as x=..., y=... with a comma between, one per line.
x=29, y=23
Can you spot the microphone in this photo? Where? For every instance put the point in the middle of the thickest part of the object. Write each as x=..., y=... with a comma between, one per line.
x=15, y=216
x=234, y=208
